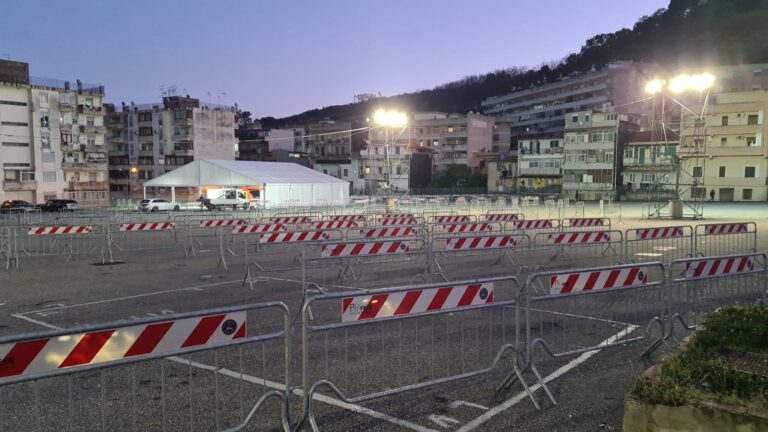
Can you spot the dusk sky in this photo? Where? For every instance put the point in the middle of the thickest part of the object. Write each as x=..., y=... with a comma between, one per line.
x=283, y=57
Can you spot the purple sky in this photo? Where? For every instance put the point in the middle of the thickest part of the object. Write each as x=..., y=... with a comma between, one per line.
x=282, y=57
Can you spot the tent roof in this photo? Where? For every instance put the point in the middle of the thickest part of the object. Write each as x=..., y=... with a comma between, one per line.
x=212, y=172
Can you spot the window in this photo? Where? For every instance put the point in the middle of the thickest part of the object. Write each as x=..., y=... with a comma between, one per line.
x=723, y=142
x=750, y=171
x=554, y=144
x=575, y=118
x=6, y=123
x=586, y=117
x=721, y=171
x=698, y=192
x=724, y=120
x=379, y=170
x=397, y=150
x=89, y=102
x=48, y=157
x=752, y=119
x=44, y=119
x=43, y=98
x=398, y=170
x=346, y=172
x=3, y=102
x=145, y=131
x=14, y=144
x=145, y=116
x=697, y=171
x=325, y=171
x=752, y=141
x=746, y=194
x=45, y=141
x=49, y=176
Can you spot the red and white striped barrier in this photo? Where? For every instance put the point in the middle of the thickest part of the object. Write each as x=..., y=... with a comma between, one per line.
x=583, y=222
x=294, y=237
x=59, y=230
x=355, y=218
x=397, y=215
x=597, y=280
x=261, y=228
x=363, y=249
x=334, y=224
x=587, y=237
x=388, y=232
x=501, y=217
x=659, y=233
x=157, y=226
x=726, y=228
x=532, y=224
x=37, y=356
x=466, y=228
x=399, y=221
x=217, y=223
x=290, y=219
x=485, y=242
x=451, y=219
x=724, y=266
x=367, y=307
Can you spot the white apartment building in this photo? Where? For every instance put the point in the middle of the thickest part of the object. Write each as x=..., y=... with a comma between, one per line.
x=51, y=138
x=148, y=140
x=539, y=166
x=732, y=158
x=592, y=142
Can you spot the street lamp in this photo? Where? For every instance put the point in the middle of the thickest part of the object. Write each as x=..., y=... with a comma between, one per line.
x=389, y=119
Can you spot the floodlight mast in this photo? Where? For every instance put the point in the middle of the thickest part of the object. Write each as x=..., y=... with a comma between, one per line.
x=389, y=119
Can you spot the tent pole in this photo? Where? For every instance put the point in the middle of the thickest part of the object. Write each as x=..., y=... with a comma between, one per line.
x=145, y=192
x=173, y=194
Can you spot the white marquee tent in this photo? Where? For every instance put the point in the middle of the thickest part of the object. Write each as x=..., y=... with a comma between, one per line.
x=282, y=182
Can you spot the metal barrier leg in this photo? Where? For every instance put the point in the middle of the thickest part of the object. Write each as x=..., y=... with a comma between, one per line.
x=222, y=260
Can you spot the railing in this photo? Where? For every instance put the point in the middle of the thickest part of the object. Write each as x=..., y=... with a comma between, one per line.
x=84, y=166
x=92, y=129
x=88, y=186
x=28, y=185
x=89, y=109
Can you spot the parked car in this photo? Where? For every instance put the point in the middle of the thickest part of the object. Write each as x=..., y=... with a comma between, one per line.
x=157, y=204
x=13, y=206
x=57, y=205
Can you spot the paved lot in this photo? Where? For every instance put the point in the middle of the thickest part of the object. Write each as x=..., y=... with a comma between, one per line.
x=214, y=390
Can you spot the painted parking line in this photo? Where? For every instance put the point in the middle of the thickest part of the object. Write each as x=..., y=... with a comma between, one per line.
x=551, y=377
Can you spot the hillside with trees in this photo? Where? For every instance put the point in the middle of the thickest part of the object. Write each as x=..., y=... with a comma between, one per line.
x=688, y=33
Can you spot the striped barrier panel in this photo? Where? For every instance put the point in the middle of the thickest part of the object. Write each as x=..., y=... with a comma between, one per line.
x=720, y=266
x=466, y=228
x=725, y=228
x=294, y=237
x=261, y=228
x=532, y=224
x=59, y=230
x=355, y=249
x=404, y=231
x=217, y=223
x=659, y=243
x=584, y=281
x=377, y=306
x=451, y=219
x=399, y=221
x=354, y=218
x=157, y=226
x=659, y=233
x=501, y=217
x=334, y=224
x=587, y=222
x=396, y=215
x=289, y=219
x=484, y=242
x=77, y=350
x=571, y=238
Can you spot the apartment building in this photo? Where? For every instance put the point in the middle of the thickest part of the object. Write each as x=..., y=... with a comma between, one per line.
x=257, y=144
x=51, y=138
x=545, y=108
x=387, y=155
x=592, y=141
x=453, y=139
x=649, y=166
x=540, y=163
x=148, y=140
x=731, y=158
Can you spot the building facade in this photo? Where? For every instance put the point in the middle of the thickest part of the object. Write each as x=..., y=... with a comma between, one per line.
x=649, y=166
x=148, y=140
x=453, y=139
x=51, y=138
x=540, y=164
x=734, y=159
x=593, y=140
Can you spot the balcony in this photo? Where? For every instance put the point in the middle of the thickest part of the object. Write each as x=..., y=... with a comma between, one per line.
x=183, y=122
x=15, y=186
x=587, y=186
x=658, y=163
x=184, y=152
x=88, y=186
x=66, y=127
x=92, y=129
x=90, y=109
x=65, y=105
x=84, y=166
x=183, y=138
x=758, y=151
x=540, y=172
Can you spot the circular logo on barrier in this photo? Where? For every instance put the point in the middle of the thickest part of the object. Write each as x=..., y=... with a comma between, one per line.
x=229, y=327
x=749, y=264
x=324, y=236
x=483, y=294
x=605, y=237
x=640, y=276
x=403, y=246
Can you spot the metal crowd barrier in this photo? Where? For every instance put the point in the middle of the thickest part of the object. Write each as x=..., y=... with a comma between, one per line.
x=663, y=244
x=105, y=377
x=580, y=245
x=585, y=224
x=726, y=238
x=466, y=252
x=61, y=240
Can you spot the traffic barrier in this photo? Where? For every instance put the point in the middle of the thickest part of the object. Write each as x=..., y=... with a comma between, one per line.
x=367, y=345
x=358, y=249
x=450, y=218
x=153, y=226
x=374, y=253
x=570, y=312
x=465, y=228
x=465, y=252
x=354, y=218
x=289, y=219
x=501, y=217
x=122, y=363
x=388, y=231
x=589, y=223
x=407, y=220
x=528, y=225
x=261, y=228
x=659, y=243
x=218, y=223
x=294, y=237
x=59, y=240
x=726, y=238
x=59, y=230
x=334, y=224
x=144, y=236
x=701, y=285
x=581, y=244
x=8, y=248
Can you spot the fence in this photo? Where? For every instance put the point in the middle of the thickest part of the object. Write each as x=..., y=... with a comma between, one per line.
x=371, y=344
x=580, y=245
x=726, y=238
x=104, y=377
x=475, y=252
x=663, y=244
